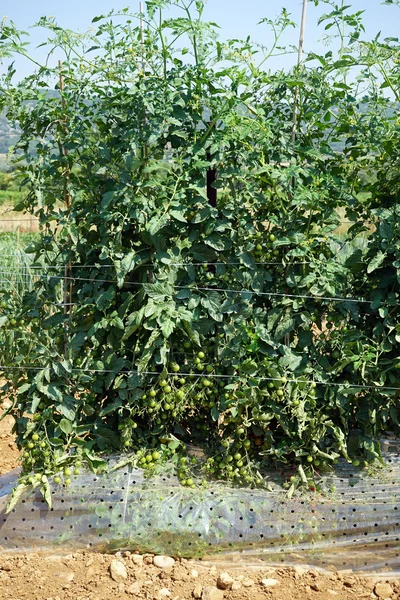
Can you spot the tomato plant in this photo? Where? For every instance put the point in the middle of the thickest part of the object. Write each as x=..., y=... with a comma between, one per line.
x=245, y=322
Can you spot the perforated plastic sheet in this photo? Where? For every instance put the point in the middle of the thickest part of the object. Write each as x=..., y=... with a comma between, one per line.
x=356, y=526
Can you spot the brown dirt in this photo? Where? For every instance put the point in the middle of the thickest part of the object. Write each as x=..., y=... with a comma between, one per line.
x=8, y=448
x=87, y=576
x=10, y=220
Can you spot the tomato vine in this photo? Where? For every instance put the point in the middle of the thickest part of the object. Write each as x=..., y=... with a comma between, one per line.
x=261, y=328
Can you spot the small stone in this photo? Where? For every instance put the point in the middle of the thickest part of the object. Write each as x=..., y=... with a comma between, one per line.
x=118, y=570
x=163, y=562
x=137, y=560
x=299, y=572
x=383, y=590
x=247, y=582
x=198, y=590
x=332, y=593
x=135, y=588
x=164, y=593
x=369, y=584
x=225, y=581
x=316, y=587
x=148, y=559
x=213, y=570
x=91, y=573
x=210, y=592
x=349, y=583
x=65, y=577
x=236, y=585
x=5, y=567
x=269, y=582
x=194, y=573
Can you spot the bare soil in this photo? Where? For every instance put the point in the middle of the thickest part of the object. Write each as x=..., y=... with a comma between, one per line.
x=93, y=576
x=8, y=448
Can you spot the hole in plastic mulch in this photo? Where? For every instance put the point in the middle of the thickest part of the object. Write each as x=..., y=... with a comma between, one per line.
x=352, y=524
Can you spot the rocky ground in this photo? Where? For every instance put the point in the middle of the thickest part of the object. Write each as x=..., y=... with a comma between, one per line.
x=89, y=576
x=93, y=576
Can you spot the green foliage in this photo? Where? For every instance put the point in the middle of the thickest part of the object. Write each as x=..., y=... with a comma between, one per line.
x=248, y=328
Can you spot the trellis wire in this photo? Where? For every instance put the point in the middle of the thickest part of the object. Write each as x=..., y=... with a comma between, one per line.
x=219, y=290
x=345, y=384
x=99, y=266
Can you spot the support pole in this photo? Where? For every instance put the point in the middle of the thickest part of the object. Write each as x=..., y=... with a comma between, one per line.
x=299, y=59
x=67, y=200
x=142, y=40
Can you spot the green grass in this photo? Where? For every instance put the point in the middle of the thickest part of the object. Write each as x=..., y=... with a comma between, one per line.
x=10, y=192
x=12, y=197
x=15, y=274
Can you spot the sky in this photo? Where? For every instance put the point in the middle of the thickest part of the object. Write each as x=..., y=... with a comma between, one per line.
x=237, y=19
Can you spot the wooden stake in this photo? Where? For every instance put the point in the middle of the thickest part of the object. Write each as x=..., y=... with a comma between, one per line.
x=141, y=9
x=296, y=98
x=299, y=59
x=67, y=200
x=142, y=32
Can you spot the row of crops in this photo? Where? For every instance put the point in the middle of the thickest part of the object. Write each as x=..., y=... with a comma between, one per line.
x=204, y=276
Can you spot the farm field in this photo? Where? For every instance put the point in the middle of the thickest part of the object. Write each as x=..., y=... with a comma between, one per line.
x=200, y=310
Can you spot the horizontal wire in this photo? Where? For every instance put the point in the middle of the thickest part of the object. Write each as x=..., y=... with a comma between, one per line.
x=9, y=268
x=34, y=219
x=228, y=291
x=346, y=384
